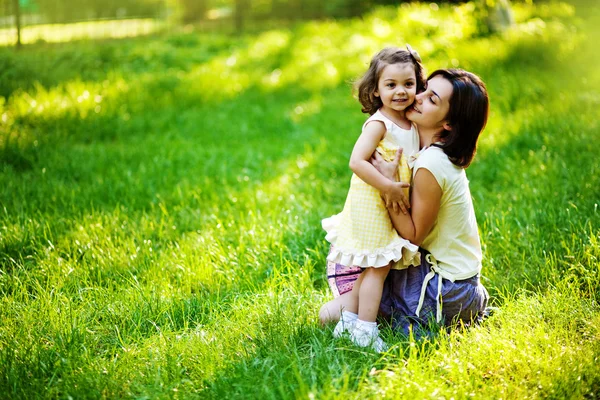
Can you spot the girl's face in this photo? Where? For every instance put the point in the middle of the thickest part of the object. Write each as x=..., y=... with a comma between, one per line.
x=431, y=106
x=397, y=86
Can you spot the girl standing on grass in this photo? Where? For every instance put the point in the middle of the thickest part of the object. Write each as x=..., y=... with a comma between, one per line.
x=450, y=114
x=362, y=234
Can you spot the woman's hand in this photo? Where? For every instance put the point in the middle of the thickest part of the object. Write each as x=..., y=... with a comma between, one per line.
x=389, y=169
x=393, y=195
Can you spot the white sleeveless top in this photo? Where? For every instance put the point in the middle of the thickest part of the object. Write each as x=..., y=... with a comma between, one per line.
x=454, y=239
x=408, y=139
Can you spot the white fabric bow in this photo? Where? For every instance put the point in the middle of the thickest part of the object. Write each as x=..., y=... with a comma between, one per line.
x=413, y=53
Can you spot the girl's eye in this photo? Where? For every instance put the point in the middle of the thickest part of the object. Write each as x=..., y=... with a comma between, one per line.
x=390, y=85
x=409, y=84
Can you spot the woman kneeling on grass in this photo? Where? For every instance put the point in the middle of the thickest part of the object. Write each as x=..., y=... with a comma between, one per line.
x=450, y=115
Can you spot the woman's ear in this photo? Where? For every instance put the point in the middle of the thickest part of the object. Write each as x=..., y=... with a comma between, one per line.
x=447, y=126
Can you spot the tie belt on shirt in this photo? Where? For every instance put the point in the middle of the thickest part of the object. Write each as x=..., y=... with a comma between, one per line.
x=438, y=298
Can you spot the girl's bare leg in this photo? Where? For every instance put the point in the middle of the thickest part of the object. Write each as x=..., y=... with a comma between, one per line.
x=369, y=292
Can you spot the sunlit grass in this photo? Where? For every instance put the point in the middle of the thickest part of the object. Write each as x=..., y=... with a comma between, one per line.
x=58, y=33
x=161, y=199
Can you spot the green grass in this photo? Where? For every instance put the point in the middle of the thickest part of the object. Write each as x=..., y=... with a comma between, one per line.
x=161, y=200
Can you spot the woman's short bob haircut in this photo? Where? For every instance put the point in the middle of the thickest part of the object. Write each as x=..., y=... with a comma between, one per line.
x=467, y=116
x=367, y=85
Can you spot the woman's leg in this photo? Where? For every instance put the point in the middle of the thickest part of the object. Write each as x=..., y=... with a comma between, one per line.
x=369, y=292
x=332, y=310
x=362, y=301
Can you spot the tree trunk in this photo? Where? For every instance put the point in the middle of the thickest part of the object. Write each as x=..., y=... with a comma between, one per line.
x=18, y=21
x=240, y=12
x=499, y=16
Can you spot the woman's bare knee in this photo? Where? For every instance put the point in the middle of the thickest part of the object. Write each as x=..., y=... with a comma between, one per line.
x=332, y=310
x=324, y=315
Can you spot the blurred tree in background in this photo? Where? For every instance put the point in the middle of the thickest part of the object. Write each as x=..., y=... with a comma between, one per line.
x=61, y=11
x=57, y=11
x=192, y=10
x=493, y=15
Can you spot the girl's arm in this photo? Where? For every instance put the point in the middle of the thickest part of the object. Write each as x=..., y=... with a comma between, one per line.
x=425, y=199
x=360, y=165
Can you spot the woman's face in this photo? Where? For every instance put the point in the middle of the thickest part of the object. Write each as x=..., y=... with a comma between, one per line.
x=431, y=107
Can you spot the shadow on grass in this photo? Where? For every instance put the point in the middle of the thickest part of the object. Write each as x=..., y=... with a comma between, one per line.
x=94, y=60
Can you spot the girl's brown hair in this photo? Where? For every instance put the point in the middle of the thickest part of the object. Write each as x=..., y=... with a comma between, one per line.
x=367, y=85
x=467, y=116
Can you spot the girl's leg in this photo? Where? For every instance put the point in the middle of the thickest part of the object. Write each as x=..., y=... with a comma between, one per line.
x=369, y=292
x=363, y=299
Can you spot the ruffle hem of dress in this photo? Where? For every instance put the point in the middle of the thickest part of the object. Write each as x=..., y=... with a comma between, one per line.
x=400, y=251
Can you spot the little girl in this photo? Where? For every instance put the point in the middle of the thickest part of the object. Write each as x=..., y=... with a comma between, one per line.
x=362, y=234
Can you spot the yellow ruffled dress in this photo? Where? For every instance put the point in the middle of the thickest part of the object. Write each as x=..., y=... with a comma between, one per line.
x=362, y=234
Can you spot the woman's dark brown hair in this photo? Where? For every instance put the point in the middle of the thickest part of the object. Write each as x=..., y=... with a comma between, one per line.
x=367, y=85
x=468, y=114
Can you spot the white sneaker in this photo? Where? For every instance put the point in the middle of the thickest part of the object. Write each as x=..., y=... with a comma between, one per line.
x=367, y=336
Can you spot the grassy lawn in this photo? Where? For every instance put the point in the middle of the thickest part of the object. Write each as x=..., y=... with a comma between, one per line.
x=161, y=198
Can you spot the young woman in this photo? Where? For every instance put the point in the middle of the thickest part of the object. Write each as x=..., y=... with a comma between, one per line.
x=450, y=115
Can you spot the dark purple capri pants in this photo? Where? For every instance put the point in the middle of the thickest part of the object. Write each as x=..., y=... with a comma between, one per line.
x=462, y=300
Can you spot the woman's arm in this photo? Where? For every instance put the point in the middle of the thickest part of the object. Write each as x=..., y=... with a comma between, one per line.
x=360, y=165
x=425, y=199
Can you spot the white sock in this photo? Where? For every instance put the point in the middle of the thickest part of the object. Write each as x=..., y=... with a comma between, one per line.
x=370, y=327
x=349, y=316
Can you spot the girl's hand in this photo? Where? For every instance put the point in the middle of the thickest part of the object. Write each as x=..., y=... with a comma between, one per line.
x=394, y=197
